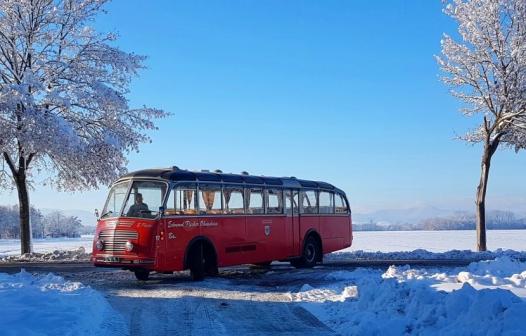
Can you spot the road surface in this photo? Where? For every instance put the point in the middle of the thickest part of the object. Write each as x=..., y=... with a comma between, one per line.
x=240, y=301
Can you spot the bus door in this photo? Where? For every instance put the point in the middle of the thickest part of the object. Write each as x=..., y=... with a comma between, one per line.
x=293, y=223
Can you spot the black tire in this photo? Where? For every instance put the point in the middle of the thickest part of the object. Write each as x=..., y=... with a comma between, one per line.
x=197, y=263
x=311, y=254
x=211, y=268
x=142, y=274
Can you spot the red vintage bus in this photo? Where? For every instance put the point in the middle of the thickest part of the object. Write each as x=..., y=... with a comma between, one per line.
x=168, y=220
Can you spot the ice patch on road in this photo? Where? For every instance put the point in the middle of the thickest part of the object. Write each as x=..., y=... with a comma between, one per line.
x=50, y=305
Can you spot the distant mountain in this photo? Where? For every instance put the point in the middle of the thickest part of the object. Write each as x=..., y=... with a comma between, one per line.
x=432, y=218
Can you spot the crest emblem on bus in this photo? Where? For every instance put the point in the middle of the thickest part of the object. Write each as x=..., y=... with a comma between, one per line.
x=267, y=230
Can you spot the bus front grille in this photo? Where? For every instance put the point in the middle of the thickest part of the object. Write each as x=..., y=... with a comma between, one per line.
x=115, y=240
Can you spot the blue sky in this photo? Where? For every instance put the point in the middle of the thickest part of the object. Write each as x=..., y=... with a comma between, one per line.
x=341, y=91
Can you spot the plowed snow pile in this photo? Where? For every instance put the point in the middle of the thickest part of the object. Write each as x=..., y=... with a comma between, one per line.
x=486, y=298
x=78, y=255
x=49, y=305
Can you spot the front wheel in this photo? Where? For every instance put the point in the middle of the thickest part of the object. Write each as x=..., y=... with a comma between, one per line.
x=142, y=274
x=311, y=254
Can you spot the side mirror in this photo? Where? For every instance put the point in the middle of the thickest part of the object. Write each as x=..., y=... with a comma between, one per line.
x=97, y=213
x=161, y=211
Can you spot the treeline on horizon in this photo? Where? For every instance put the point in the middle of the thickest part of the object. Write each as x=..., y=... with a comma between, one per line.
x=52, y=225
x=495, y=220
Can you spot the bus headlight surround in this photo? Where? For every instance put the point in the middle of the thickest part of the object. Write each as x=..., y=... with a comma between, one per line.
x=129, y=246
x=99, y=244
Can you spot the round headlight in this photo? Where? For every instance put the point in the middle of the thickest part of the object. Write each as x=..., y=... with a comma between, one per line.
x=129, y=246
x=99, y=244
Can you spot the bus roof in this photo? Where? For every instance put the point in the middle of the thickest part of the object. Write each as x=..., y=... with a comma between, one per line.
x=176, y=174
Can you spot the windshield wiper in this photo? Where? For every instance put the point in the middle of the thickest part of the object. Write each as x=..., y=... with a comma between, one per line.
x=106, y=213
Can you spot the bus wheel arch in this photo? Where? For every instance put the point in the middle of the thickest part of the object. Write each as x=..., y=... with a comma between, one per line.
x=312, y=251
x=201, y=258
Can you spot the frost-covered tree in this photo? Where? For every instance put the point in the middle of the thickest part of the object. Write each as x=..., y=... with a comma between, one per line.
x=487, y=72
x=57, y=225
x=63, y=108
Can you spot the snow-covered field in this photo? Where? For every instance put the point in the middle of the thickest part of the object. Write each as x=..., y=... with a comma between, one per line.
x=12, y=246
x=484, y=298
x=369, y=241
x=436, y=241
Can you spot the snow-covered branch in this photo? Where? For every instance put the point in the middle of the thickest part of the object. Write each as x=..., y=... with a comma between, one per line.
x=487, y=70
x=63, y=93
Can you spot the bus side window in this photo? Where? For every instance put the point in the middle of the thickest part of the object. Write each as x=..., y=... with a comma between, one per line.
x=274, y=201
x=290, y=202
x=255, y=201
x=341, y=206
x=181, y=200
x=233, y=200
x=309, y=204
x=210, y=199
x=326, y=202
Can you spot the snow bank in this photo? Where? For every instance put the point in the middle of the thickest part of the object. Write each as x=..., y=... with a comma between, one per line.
x=79, y=255
x=403, y=300
x=421, y=254
x=48, y=245
x=49, y=305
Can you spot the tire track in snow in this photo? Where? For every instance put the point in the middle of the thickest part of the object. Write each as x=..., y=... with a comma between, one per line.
x=213, y=307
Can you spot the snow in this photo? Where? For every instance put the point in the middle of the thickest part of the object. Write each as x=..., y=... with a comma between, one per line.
x=486, y=298
x=435, y=241
x=12, y=246
x=78, y=255
x=49, y=305
x=48, y=250
x=423, y=255
x=364, y=242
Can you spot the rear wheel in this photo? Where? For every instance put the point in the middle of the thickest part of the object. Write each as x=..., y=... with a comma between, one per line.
x=202, y=261
x=311, y=254
x=142, y=274
x=197, y=264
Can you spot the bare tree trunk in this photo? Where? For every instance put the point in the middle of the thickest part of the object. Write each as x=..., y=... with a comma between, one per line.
x=23, y=200
x=20, y=178
x=489, y=150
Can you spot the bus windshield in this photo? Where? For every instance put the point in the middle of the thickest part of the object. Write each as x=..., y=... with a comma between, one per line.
x=144, y=199
x=115, y=200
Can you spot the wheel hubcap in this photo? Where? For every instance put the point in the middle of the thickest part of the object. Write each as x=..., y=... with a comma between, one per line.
x=310, y=253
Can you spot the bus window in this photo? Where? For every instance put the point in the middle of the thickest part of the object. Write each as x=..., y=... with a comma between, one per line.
x=274, y=201
x=233, y=200
x=255, y=201
x=326, y=202
x=210, y=199
x=181, y=200
x=341, y=206
x=291, y=203
x=115, y=200
x=309, y=203
x=144, y=199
